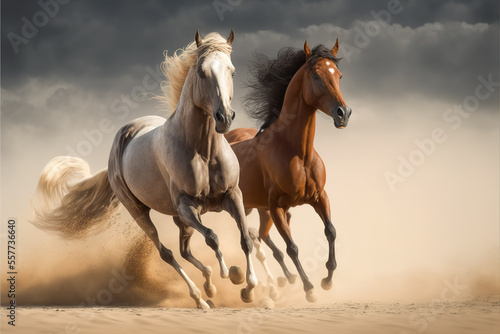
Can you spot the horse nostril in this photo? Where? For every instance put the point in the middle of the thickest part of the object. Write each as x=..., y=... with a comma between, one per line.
x=233, y=116
x=219, y=117
x=340, y=112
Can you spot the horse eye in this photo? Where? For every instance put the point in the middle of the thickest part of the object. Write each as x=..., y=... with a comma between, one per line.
x=316, y=76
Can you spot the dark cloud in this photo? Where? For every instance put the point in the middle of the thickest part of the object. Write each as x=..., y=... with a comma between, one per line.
x=92, y=40
x=103, y=49
x=440, y=61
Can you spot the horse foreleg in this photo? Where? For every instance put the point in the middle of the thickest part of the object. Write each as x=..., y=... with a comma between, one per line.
x=265, y=225
x=322, y=207
x=278, y=215
x=189, y=215
x=261, y=256
x=233, y=203
x=185, y=233
x=166, y=254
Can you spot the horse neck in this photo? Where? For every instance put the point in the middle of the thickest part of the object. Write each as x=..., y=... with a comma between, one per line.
x=296, y=123
x=195, y=126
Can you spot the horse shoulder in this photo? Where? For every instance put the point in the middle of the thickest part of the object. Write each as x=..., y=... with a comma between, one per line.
x=316, y=171
x=286, y=180
x=179, y=163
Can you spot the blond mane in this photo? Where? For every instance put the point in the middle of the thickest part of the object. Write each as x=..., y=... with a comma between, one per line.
x=176, y=67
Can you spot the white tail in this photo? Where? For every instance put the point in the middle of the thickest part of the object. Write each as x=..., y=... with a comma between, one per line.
x=70, y=201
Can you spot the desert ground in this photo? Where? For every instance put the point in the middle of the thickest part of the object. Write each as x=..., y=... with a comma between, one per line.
x=479, y=315
x=115, y=282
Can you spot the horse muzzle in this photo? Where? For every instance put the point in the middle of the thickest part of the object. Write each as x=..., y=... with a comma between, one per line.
x=223, y=120
x=341, y=116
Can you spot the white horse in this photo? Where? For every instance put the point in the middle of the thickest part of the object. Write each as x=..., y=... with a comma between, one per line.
x=181, y=166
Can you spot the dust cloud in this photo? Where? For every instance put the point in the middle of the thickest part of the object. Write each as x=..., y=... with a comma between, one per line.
x=434, y=234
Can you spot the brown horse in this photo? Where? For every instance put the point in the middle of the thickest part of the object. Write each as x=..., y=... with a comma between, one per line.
x=280, y=168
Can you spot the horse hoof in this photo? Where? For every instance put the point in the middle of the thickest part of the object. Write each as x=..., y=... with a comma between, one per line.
x=247, y=297
x=326, y=284
x=210, y=289
x=292, y=278
x=203, y=304
x=274, y=294
x=282, y=281
x=236, y=275
x=210, y=303
x=311, y=298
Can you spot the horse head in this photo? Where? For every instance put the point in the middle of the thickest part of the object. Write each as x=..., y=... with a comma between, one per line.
x=214, y=83
x=321, y=84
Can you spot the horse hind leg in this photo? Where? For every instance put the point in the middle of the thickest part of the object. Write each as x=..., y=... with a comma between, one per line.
x=278, y=215
x=261, y=256
x=265, y=225
x=185, y=233
x=144, y=221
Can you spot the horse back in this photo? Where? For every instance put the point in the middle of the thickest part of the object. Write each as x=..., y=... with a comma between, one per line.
x=240, y=134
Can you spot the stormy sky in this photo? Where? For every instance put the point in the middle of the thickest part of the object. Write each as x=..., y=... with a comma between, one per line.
x=435, y=50
x=67, y=65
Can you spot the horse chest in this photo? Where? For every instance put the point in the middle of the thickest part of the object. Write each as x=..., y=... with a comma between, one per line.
x=299, y=184
x=211, y=180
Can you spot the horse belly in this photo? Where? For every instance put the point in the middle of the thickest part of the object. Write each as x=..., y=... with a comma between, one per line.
x=251, y=183
x=255, y=194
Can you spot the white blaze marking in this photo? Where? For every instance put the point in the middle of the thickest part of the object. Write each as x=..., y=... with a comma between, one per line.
x=331, y=70
x=215, y=65
x=327, y=63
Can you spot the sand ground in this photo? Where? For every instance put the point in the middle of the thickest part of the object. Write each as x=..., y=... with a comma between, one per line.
x=477, y=315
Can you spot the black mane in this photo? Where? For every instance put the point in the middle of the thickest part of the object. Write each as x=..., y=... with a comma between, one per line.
x=271, y=78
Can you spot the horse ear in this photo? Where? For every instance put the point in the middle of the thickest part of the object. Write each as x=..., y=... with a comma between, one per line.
x=307, y=50
x=336, y=48
x=230, y=39
x=197, y=38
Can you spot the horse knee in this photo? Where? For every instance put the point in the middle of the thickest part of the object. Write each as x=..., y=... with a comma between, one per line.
x=253, y=233
x=211, y=239
x=247, y=245
x=278, y=255
x=166, y=255
x=292, y=250
x=330, y=232
x=261, y=256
